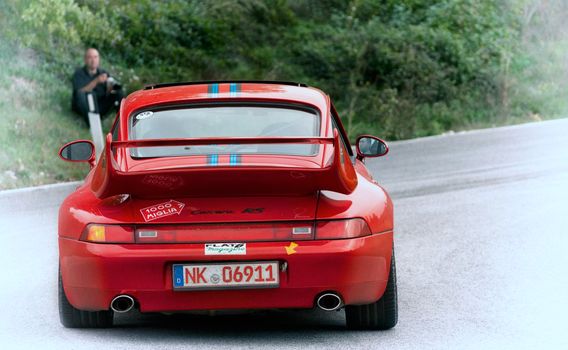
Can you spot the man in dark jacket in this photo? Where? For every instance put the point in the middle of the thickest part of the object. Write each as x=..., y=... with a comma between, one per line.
x=105, y=92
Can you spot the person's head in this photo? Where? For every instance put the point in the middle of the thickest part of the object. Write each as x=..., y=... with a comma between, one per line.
x=365, y=145
x=91, y=58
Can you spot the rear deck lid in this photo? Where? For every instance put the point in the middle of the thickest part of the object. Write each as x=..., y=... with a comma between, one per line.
x=224, y=149
x=253, y=177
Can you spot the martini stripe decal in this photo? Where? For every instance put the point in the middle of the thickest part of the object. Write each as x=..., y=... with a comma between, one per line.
x=213, y=90
x=235, y=159
x=213, y=159
x=234, y=88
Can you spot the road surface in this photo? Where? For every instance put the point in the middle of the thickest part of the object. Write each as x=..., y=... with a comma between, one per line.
x=482, y=253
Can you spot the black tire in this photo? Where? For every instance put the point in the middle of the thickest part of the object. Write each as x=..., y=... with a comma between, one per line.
x=71, y=317
x=382, y=314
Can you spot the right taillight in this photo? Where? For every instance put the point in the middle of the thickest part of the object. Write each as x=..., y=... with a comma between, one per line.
x=340, y=229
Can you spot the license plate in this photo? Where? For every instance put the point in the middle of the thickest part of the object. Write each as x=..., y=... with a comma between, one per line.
x=226, y=275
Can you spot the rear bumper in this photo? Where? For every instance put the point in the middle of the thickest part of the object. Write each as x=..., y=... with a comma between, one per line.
x=93, y=274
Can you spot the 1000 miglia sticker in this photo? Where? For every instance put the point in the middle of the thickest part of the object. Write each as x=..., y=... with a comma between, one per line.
x=161, y=210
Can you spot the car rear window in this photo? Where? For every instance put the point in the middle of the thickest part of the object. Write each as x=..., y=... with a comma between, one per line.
x=225, y=121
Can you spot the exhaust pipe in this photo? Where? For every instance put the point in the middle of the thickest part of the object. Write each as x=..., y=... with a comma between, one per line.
x=122, y=303
x=329, y=302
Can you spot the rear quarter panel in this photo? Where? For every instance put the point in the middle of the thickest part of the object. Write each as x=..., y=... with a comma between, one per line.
x=369, y=201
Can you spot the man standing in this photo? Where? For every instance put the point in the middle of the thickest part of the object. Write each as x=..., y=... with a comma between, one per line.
x=105, y=93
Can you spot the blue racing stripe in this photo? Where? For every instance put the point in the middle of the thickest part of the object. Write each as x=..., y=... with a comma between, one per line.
x=235, y=159
x=213, y=159
x=234, y=89
x=213, y=90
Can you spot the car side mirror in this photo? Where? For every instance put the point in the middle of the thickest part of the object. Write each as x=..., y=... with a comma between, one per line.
x=78, y=151
x=371, y=146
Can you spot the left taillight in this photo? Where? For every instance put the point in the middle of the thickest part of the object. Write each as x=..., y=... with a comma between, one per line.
x=97, y=233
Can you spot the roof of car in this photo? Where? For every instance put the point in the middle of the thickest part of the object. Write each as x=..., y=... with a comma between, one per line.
x=203, y=82
x=212, y=91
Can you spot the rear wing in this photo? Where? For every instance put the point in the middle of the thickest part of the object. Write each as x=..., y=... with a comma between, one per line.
x=110, y=179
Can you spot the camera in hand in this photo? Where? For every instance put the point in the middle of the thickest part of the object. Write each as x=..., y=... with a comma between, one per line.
x=114, y=83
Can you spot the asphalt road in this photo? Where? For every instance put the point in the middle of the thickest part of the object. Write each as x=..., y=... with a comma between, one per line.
x=482, y=253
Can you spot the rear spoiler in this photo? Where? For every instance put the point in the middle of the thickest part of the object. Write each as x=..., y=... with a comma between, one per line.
x=109, y=179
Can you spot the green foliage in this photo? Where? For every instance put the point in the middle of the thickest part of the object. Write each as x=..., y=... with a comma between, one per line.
x=409, y=68
x=59, y=28
x=34, y=122
x=399, y=68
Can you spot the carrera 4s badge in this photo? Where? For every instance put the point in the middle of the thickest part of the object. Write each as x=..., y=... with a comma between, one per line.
x=225, y=249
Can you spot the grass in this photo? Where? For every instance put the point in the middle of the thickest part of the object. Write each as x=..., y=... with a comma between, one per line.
x=35, y=122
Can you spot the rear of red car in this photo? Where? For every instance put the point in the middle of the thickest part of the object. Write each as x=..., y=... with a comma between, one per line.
x=250, y=203
x=245, y=274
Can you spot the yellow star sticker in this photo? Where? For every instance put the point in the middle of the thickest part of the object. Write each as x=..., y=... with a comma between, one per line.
x=291, y=249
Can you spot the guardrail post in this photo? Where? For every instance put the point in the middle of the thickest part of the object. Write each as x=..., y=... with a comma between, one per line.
x=95, y=126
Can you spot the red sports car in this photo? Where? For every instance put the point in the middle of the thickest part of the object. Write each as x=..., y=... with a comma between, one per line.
x=232, y=195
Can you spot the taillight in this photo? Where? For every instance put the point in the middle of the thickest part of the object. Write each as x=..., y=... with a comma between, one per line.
x=325, y=229
x=108, y=234
x=339, y=229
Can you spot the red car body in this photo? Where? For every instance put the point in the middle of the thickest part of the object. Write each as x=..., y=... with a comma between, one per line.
x=257, y=202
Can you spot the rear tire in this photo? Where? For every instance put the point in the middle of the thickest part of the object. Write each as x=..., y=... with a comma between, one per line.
x=380, y=315
x=71, y=317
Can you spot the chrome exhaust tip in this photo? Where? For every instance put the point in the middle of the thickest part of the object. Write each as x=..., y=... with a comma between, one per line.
x=329, y=302
x=122, y=303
